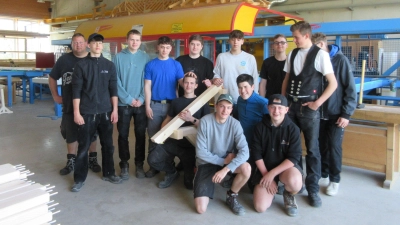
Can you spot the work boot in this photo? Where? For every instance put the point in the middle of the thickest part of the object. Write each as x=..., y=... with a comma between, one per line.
x=93, y=164
x=140, y=171
x=77, y=186
x=236, y=207
x=151, y=172
x=314, y=200
x=290, y=203
x=113, y=179
x=124, y=170
x=168, y=179
x=70, y=165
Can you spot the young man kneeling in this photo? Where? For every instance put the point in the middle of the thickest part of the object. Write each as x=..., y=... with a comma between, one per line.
x=221, y=147
x=276, y=149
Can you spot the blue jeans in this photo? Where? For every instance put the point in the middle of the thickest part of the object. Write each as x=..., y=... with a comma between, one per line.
x=102, y=124
x=308, y=121
x=125, y=114
x=330, y=146
x=154, y=125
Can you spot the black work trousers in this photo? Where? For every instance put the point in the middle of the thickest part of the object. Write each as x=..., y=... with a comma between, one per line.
x=125, y=115
x=330, y=146
x=161, y=157
x=102, y=124
x=308, y=121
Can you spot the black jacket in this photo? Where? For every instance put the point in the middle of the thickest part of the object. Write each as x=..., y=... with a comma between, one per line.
x=275, y=144
x=94, y=82
x=342, y=102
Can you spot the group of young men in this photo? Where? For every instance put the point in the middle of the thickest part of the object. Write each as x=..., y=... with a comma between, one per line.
x=252, y=138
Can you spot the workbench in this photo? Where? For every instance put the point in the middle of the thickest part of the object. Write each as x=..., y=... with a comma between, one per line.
x=26, y=74
x=374, y=146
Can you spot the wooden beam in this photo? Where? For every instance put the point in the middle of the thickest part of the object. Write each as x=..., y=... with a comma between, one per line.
x=193, y=107
x=183, y=131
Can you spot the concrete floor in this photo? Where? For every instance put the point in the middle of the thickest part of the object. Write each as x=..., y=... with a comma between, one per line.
x=36, y=143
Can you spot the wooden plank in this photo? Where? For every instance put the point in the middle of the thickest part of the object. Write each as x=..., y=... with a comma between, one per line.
x=378, y=113
x=193, y=107
x=26, y=215
x=183, y=131
x=23, y=202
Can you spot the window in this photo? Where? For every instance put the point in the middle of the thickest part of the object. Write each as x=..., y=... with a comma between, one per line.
x=23, y=47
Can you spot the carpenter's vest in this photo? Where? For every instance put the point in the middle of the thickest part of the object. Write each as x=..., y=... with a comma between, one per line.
x=309, y=81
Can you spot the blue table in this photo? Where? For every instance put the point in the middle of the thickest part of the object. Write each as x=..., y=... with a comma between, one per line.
x=26, y=75
x=9, y=75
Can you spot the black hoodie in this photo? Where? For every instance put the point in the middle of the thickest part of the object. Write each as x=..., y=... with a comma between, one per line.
x=275, y=144
x=94, y=82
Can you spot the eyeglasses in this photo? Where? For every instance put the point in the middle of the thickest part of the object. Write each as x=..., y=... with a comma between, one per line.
x=280, y=42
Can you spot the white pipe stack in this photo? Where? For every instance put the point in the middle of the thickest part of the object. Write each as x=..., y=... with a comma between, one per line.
x=23, y=201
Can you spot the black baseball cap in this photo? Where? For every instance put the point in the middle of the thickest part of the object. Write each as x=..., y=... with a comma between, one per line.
x=95, y=35
x=282, y=100
x=226, y=97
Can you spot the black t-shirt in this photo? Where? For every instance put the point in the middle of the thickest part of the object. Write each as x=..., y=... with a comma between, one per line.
x=179, y=104
x=201, y=66
x=64, y=68
x=272, y=71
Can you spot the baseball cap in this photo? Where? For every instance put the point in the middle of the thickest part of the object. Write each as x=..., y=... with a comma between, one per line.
x=94, y=35
x=226, y=97
x=283, y=100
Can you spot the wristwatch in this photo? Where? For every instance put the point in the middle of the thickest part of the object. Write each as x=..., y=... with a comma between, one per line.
x=194, y=121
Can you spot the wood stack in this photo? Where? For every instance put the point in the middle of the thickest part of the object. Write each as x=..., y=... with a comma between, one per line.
x=22, y=201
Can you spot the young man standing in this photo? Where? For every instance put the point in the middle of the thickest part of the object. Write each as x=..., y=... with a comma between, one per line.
x=130, y=64
x=196, y=63
x=221, y=147
x=64, y=68
x=306, y=67
x=276, y=150
x=161, y=77
x=272, y=73
x=162, y=156
x=340, y=106
x=231, y=64
x=95, y=103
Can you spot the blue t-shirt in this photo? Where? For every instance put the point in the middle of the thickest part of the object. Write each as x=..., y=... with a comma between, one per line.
x=250, y=112
x=164, y=76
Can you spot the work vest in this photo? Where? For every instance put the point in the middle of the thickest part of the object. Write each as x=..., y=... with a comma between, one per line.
x=309, y=81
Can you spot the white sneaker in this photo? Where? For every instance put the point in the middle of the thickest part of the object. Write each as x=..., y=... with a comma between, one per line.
x=332, y=189
x=323, y=181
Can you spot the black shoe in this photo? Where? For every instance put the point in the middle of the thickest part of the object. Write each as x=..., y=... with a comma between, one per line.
x=113, y=179
x=93, y=164
x=77, y=186
x=125, y=173
x=236, y=207
x=70, y=165
x=139, y=171
x=168, y=179
x=151, y=172
x=314, y=200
